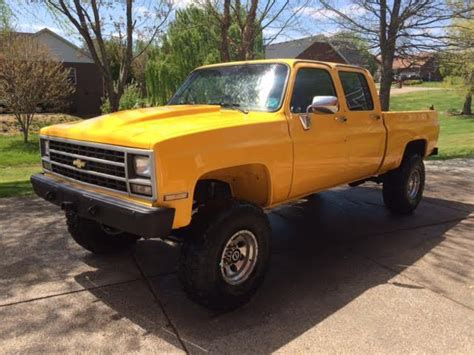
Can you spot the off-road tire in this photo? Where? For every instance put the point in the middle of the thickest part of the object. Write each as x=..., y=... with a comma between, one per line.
x=91, y=236
x=210, y=230
x=396, y=186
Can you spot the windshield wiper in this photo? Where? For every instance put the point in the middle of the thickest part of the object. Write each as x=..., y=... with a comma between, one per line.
x=233, y=107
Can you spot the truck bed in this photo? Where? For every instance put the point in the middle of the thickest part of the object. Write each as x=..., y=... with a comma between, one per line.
x=406, y=126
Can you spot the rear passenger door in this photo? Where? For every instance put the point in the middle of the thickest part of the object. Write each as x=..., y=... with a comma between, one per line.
x=366, y=136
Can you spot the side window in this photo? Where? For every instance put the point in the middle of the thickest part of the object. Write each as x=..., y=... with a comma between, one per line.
x=356, y=91
x=310, y=82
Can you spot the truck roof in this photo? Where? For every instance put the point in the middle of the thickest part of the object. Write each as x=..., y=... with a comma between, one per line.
x=291, y=62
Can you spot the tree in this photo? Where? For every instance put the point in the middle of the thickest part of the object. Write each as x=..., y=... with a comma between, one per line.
x=242, y=24
x=30, y=77
x=458, y=63
x=5, y=16
x=94, y=19
x=192, y=40
x=397, y=28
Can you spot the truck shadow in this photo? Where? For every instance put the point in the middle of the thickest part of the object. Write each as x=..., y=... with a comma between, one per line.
x=328, y=250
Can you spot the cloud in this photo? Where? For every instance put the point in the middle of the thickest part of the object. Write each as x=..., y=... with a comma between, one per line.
x=181, y=4
x=324, y=14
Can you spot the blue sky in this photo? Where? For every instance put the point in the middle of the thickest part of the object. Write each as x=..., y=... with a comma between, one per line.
x=310, y=21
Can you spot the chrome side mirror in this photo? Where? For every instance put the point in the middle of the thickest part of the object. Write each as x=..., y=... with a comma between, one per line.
x=323, y=104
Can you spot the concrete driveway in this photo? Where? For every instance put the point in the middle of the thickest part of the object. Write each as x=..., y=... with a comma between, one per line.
x=345, y=277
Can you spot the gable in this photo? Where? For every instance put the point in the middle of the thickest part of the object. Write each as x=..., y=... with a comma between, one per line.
x=322, y=51
x=290, y=49
x=61, y=48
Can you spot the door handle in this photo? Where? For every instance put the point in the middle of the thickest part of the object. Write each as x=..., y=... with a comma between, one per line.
x=375, y=116
x=305, y=120
x=342, y=119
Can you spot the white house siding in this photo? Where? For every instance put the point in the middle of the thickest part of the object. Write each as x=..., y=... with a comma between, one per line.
x=63, y=51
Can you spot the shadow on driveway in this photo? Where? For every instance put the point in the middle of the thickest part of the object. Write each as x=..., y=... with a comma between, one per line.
x=328, y=250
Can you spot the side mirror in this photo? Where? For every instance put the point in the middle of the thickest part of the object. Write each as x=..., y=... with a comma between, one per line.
x=323, y=104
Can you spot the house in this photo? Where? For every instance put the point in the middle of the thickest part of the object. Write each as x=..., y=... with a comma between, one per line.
x=424, y=66
x=318, y=48
x=83, y=72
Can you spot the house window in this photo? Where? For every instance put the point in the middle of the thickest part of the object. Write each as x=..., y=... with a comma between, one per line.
x=72, y=77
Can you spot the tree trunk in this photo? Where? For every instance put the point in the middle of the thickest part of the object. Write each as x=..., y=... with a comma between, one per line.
x=385, y=87
x=25, y=135
x=467, y=107
x=225, y=25
x=114, y=102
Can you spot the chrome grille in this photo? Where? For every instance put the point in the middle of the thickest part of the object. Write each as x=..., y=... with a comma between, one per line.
x=92, y=165
x=88, y=151
x=95, y=164
x=90, y=179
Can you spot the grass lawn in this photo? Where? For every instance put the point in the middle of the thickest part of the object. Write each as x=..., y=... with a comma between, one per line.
x=18, y=161
x=457, y=132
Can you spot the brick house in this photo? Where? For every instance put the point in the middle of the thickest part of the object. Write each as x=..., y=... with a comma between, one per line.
x=83, y=72
x=424, y=66
x=317, y=48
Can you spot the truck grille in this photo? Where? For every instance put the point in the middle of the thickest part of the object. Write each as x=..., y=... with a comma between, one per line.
x=94, y=164
x=88, y=151
x=90, y=179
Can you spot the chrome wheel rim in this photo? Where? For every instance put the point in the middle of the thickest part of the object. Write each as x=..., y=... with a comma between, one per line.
x=239, y=257
x=414, y=182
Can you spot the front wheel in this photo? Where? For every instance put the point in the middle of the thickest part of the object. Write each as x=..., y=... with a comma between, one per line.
x=225, y=258
x=403, y=187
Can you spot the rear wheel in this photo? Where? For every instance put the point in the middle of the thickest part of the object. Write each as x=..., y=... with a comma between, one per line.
x=225, y=254
x=98, y=238
x=403, y=187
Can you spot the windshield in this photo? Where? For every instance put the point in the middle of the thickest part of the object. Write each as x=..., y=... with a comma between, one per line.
x=252, y=87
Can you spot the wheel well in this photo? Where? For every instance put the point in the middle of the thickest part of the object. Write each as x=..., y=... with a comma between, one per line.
x=415, y=147
x=245, y=182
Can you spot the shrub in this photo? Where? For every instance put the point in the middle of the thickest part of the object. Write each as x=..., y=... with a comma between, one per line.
x=413, y=82
x=130, y=99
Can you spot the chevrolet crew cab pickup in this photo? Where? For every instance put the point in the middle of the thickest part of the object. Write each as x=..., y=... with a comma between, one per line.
x=235, y=139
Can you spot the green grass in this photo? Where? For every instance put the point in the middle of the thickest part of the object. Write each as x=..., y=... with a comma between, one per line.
x=457, y=132
x=18, y=161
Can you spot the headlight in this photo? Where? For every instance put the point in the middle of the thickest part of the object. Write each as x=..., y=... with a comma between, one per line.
x=141, y=165
x=45, y=147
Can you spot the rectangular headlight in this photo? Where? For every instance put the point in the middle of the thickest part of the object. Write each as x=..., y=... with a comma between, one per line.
x=141, y=165
x=44, y=147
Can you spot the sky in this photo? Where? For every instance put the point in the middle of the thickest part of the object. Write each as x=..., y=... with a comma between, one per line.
x=310, y=21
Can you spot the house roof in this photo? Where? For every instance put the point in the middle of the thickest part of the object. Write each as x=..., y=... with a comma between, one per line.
x=292, y=49
x=47, y=31
x=416, y=61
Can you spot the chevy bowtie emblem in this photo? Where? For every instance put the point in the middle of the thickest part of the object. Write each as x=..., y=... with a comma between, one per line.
x=78, y=163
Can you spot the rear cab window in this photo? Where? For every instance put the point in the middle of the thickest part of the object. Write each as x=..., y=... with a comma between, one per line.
x=310, y=82
x=356, y=91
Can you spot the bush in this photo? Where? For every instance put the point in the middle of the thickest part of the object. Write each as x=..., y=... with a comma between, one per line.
x=130, y=99
x=413, y=82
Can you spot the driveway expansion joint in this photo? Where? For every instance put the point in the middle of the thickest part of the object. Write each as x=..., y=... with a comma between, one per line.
x=160, y=304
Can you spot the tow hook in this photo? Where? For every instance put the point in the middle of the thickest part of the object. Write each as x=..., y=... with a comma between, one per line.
x=67, y=206
x=49, y=196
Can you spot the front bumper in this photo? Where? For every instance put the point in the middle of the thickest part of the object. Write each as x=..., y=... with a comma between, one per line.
x=151, y=222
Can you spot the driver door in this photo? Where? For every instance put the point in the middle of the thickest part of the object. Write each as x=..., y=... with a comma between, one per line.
x=319, y=139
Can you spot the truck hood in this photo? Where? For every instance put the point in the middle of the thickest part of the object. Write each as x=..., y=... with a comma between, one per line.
x=142, y=128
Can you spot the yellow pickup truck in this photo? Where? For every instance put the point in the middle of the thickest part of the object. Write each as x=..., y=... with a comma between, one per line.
x=235, y=139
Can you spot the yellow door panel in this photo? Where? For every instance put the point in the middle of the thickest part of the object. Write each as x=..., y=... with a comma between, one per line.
x=321, y=150
x=365, y=124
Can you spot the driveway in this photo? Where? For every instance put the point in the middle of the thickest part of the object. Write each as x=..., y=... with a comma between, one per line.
x=409, y=89
x=345, y=277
